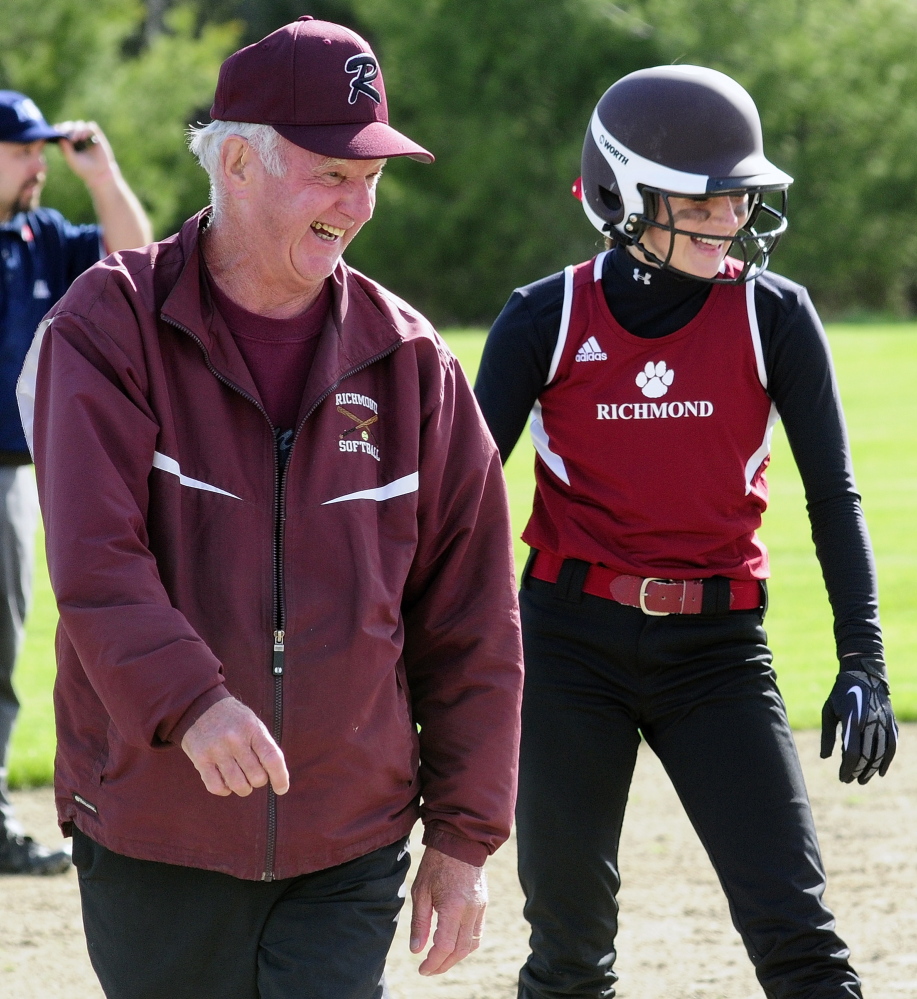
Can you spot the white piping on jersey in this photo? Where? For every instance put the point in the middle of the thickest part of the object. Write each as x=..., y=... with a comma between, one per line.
x=598, y=265
x=542, y=445
x=540, y=438
x=754, y=462
x=755, y=332
x=564, y=324
x=170, y=465
x=400, y=487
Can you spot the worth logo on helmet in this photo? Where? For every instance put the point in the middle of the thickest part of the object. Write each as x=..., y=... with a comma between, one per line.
x=364, y=69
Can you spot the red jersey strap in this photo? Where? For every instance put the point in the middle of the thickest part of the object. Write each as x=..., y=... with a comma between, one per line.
x=573, y=275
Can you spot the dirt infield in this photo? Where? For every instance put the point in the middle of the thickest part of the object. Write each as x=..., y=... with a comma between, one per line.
x=676, y=941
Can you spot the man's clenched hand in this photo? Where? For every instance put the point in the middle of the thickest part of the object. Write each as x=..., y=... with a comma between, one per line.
x=234, y=752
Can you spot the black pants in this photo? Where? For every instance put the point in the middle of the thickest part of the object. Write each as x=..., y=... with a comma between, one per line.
x=155, y=931
x=702, y=693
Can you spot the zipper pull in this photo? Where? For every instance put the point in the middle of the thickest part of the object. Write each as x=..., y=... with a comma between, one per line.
x=277, y=668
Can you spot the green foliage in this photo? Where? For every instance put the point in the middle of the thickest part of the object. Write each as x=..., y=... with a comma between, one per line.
x=836, y=84
x=79, y=60
x=261, y=17
x=502, y=94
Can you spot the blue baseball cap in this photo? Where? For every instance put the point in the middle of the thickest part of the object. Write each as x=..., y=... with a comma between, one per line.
x=21, y=121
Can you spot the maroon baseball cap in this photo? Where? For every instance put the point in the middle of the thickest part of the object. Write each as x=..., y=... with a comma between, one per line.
x=319, y=85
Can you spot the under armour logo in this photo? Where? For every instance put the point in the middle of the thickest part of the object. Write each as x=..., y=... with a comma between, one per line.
x=643, y=276
x=364, y=69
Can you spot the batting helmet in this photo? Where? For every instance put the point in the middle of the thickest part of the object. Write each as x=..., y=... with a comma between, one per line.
x=685, y=131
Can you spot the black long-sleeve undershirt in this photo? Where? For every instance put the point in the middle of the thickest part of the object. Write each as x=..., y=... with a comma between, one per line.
x=800, y=380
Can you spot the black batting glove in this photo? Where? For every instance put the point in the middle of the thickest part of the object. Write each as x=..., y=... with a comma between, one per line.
x=860, y=703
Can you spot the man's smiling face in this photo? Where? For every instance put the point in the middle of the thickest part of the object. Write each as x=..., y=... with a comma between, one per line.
x=301, y=223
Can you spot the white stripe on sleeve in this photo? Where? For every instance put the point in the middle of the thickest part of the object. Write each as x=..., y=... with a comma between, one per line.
x=170, y=465
x=400, y=487
x=25, y=386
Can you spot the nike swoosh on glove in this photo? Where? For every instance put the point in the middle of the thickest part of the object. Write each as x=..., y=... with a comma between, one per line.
x=860, y=703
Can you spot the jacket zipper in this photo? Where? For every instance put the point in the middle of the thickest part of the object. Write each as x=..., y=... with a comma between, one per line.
x=278, y=665
x=277, y=636
x=277, y=661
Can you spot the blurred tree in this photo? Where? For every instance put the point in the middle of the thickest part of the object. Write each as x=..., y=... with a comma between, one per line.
x=79, y=60
x=261, y=17
x=836, y=83
x=501, y=93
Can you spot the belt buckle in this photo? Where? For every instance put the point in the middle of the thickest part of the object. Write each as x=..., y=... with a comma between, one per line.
x=642, y=597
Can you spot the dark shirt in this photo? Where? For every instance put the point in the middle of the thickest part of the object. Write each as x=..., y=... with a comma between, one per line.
x=41, y=253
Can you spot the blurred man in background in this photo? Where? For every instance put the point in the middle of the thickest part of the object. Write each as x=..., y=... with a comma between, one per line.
x=40, y=254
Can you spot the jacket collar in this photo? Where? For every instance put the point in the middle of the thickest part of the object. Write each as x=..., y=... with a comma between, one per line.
x=356, y=331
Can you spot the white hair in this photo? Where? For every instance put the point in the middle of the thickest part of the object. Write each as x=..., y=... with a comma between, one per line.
x=205, y=141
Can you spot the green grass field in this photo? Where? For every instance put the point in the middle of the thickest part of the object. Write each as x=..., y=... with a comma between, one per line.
x=877, y=368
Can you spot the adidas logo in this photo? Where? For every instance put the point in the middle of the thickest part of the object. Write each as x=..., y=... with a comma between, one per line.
x=591, y=351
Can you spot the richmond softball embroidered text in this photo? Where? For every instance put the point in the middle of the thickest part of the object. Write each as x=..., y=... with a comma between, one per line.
x=359, y=438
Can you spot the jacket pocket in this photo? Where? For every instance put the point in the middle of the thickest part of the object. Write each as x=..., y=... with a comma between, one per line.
x=406, y=717
x=101, y=762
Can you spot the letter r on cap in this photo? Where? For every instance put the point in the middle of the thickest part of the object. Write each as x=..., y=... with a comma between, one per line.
x=364, y=69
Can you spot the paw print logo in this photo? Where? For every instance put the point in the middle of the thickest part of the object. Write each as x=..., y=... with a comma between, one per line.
x=654, y=380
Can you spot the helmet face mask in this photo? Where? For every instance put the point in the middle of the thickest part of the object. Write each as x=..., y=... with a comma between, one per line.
x=685, y=132
x=750, y=248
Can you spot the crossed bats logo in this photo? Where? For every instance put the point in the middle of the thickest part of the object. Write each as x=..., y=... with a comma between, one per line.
x=361, y=425
x=364, y=69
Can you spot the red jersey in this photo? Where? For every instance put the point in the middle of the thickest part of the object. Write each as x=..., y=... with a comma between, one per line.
x=651, y=452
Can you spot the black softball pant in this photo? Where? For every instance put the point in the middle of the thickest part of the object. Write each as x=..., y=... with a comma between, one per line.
x=701, y=692
x=156, y=931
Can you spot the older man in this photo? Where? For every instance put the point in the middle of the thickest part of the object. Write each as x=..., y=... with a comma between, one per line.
x=279, y=541
x=40, y=254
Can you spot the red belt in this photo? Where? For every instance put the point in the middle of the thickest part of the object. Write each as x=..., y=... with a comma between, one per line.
x=654, y=596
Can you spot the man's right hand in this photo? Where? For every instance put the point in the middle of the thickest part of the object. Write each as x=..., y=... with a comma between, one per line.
x=234, y=752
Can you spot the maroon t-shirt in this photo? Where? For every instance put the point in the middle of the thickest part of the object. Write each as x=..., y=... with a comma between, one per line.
x=278, y=352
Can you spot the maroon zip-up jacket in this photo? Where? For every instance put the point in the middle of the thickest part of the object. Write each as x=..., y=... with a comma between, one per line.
x=361, y=601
